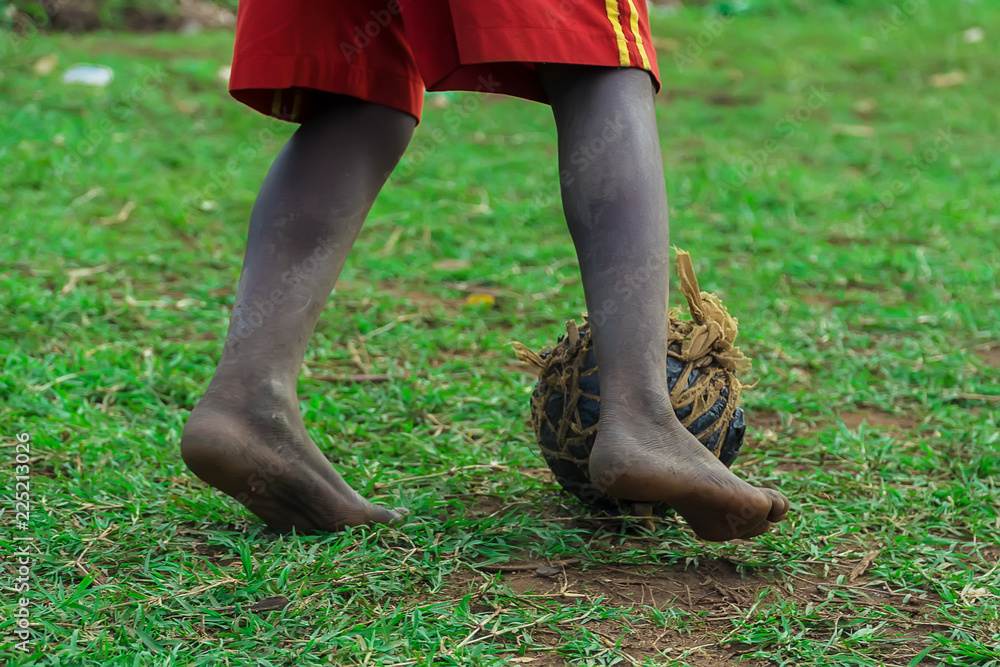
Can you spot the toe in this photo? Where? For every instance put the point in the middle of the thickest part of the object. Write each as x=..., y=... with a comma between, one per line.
x=779, y=505
x=400, y=515
x=384, y=515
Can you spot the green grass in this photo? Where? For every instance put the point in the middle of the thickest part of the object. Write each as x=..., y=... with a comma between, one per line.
x=850, y=311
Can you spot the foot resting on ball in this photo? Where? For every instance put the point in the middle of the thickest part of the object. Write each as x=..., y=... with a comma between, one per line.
x=660, y=461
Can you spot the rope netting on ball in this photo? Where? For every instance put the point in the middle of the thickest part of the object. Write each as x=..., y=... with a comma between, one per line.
x=702, y=366
x=704, y=343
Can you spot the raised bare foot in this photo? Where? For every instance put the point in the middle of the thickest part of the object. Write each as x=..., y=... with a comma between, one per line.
x=253, y=446
x=660, y=461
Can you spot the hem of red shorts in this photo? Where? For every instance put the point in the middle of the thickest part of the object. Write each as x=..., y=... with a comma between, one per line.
x=527, y=46
x=274, y=72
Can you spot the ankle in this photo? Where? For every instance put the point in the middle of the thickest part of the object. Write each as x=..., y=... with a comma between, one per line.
x=649, y=409
x=265, y=391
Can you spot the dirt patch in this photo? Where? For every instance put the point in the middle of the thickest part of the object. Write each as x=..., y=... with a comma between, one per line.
x=713, y=594
x=989, y=354
x=844, y=240
x=217, y=555
x=878, y=419
x=820, y=299
x=406, y=291
x=763, y=421
x=764, y=429
x=712, y=585
x=728, y=100
x=489, y=359
x=853, y=294
x=640, y=643
x=809, y=464
x=838, y=239
x=845, y=297
x=991, y=554
x=479, y=506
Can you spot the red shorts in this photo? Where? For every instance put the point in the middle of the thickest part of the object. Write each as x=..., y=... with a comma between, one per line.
x=388, y=51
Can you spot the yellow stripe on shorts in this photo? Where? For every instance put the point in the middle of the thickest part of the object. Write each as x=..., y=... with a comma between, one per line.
x=638, y=37
x=616, y=22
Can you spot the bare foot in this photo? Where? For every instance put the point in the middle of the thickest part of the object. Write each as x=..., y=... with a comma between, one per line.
x=660, y=461
x=256, y=450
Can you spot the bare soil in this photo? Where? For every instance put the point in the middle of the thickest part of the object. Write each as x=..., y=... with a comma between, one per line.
x=878, y=419
x=763, y=421
x=990, y=354
x=713, y=593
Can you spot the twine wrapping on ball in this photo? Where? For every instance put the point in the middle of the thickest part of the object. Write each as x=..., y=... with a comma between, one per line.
x=702, y=366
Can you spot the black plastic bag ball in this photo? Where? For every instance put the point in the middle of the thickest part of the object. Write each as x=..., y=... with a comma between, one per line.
x=568, y=456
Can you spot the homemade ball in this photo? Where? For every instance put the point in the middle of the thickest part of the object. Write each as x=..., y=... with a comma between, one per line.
x=701, y=374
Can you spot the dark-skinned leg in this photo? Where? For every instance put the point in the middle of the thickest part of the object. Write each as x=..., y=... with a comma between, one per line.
x=616, y=207
x=246, y=436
